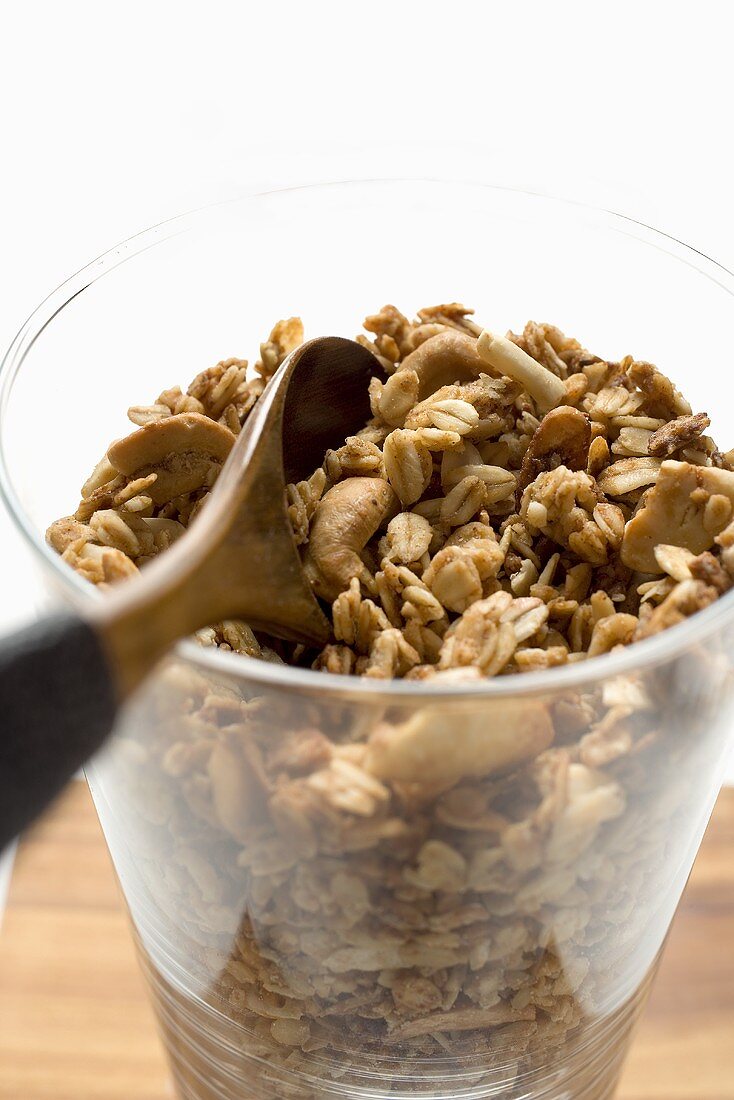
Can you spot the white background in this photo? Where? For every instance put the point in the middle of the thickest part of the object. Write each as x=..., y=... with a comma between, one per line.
x=113, y=117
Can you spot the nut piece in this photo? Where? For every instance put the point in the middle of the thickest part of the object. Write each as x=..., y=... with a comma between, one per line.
x=686, y=507
x=628, y=475
x=443, y=359
x=181, y=450
x=442, y=747
x=678, y=433
x=232, y=791
x=345, y=520
x=562, y=438
x=504, y=357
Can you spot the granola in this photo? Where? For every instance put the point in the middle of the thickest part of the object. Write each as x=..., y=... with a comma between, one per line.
x=474, y=444
x=466, y=891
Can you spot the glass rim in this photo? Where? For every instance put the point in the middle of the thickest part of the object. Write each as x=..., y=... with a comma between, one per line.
x=648, y=653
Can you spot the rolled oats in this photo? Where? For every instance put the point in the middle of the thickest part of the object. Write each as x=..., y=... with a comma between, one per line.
x=393, y=401
x=408, y=464
x=407, y=538
x=628, y=474
x=566, y=502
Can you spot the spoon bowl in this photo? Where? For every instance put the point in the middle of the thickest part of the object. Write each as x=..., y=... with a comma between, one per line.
x=240, y=559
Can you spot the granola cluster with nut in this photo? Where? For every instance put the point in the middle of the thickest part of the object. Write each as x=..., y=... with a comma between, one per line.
x=469, y=891
x=513, y=504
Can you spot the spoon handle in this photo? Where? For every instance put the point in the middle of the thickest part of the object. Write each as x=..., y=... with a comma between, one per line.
x=57, y=705
x=63, y=679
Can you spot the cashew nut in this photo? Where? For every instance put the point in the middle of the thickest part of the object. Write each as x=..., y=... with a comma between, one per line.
x=180, y=449
x=444, y=744
x=448, y=357
x=345, y=520
x=563, y=433
x=688, y=506
x=507, y=358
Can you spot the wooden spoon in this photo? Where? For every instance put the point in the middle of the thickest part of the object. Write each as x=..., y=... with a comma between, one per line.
x=62, y=680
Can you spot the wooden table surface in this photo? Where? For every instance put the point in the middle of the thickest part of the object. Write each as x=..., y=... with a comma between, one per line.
x=75, y=1024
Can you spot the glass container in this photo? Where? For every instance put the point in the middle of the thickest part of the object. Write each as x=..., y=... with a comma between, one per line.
x=345, y=888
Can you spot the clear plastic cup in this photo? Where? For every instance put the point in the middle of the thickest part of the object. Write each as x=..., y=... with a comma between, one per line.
x=341, y=888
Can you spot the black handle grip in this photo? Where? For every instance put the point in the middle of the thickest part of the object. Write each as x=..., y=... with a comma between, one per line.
x=57, y=705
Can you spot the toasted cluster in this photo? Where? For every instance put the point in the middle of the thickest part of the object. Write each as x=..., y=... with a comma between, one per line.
x=521, y=473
